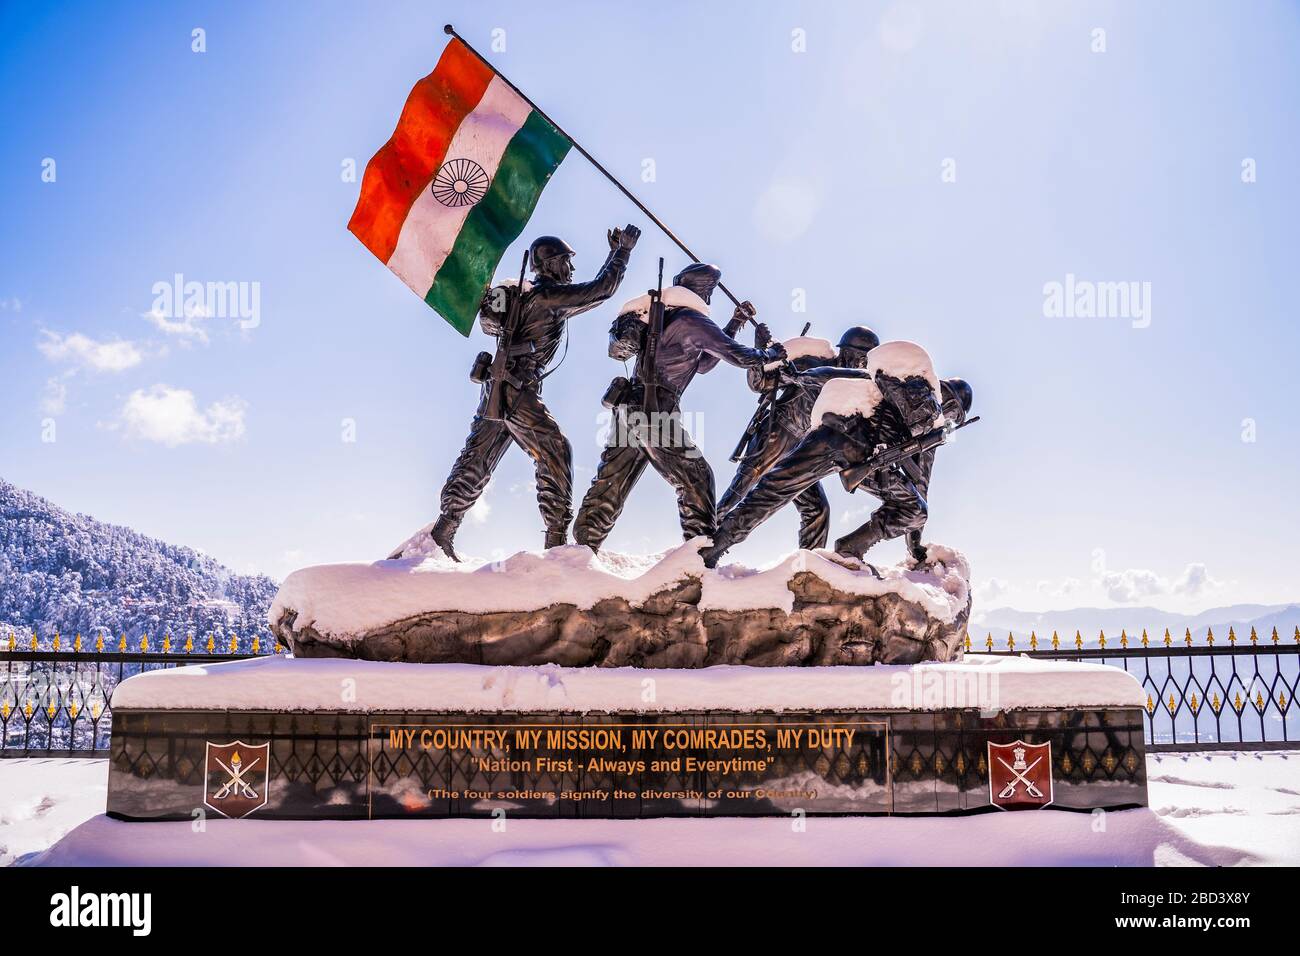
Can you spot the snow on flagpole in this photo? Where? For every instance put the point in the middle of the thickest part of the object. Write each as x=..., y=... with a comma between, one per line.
x=451, y=31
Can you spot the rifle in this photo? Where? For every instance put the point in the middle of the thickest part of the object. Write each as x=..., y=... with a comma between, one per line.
x=495, y=407
x=765, y=401
x=645, y=369
x=900, y=455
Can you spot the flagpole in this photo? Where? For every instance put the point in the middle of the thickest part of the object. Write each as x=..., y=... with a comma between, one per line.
x=451, y=31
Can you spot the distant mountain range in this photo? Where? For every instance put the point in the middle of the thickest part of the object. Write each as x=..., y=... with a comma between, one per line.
x=1091, y=621
x=68, y=573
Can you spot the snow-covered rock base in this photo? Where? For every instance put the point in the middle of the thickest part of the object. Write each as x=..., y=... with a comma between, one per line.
x=570, y=607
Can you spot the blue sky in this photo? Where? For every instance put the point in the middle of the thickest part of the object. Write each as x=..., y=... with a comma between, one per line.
x=802, y=147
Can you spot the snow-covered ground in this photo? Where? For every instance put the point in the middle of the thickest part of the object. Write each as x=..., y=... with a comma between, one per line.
x=1206, y=809
x=41, y=800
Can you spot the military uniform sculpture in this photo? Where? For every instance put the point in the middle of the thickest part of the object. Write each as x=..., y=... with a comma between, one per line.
x=647, y=426
x=783, y=418
x=898, y=404
x=532, y=318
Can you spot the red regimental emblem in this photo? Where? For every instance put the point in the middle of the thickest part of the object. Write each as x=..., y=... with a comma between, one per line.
x=235, y=778
x=1020, y=775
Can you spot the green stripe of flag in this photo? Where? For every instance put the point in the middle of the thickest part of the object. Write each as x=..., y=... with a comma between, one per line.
x=496, y=221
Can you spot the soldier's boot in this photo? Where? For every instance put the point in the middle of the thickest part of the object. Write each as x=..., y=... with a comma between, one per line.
x=444, y=530
x=556, y=539
x=915, y=548
x=856, y=544
x=713, y=553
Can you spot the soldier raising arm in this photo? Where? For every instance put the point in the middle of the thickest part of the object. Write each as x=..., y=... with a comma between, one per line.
x=546, y=305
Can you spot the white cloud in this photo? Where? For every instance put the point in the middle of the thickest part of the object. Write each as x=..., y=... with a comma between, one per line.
x=1134, y=584
x=992, y=589
x=1063, y=588
x=188, y=328
x=171, y=416
x=55, y=398
x=11, y=305
x=1196, y=580
x=81, y=351
x=479, y=513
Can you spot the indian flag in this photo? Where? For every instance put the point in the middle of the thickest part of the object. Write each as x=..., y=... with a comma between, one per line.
x=456, y=183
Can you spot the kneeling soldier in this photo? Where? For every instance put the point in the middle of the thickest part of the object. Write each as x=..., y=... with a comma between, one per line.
x=853, y=419
x=784, y=415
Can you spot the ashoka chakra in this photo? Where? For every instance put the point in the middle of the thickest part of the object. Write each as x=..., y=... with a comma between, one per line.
x=460, y=182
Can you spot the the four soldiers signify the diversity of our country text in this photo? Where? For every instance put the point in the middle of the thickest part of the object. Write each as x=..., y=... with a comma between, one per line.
x=875, y=413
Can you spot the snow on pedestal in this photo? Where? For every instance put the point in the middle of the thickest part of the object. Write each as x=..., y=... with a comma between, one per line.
x=982, y=681
x=572, y=607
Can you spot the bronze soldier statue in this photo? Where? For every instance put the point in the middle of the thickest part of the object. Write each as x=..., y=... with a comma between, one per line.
x=531, y=325
x=852, y=421
x=782, y=420
x=647, y=427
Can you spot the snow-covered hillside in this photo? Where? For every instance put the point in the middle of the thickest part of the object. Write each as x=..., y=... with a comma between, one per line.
x=68, y=573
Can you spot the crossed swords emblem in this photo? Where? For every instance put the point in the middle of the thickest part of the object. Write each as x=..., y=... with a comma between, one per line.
x=1020, y=776
x=236, y=781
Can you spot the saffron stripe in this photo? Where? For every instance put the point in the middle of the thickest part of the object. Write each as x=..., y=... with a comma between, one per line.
x=405, y=165
x=430, y=230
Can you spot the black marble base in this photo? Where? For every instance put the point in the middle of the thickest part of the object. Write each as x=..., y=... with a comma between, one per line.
x=168, y=765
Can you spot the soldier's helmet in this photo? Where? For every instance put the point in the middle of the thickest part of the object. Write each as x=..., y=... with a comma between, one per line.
x=546, y=248
x=700, y=277
x=859, y=337
x=957, y=398
x=854, y=345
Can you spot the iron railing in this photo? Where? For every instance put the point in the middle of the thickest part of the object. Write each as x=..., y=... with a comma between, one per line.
x=1225, y=695
x=1206, y=695
x=55, y=696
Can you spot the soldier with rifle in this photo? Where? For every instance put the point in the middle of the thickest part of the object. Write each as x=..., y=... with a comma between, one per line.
x=788, y=393
x=881, y=434
x=670, y=332
x=528, y=321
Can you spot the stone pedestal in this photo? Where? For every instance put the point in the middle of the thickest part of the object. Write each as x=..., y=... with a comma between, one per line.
x=278, y=738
